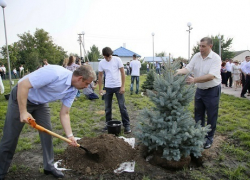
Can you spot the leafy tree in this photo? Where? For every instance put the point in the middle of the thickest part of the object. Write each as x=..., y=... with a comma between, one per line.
x=94, y=54
x=13, y=55
x=30, y=50
x=225, y=47
x=169, y=127
x=161, y=54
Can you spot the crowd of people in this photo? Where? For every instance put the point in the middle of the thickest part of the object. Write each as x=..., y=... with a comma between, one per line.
x=236, y=75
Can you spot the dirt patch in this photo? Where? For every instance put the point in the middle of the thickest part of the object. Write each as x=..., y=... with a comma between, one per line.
x=100, y=112
x=213, y=152
x=111, y=150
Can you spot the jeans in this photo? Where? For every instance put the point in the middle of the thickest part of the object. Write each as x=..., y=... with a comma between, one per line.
x=137, y=79
x=121, y=103
x=158, y=71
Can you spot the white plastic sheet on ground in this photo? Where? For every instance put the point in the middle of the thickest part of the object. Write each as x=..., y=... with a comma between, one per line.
x=127, y=166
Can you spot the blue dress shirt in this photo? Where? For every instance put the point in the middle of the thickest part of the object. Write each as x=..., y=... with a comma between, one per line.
x=51, y=83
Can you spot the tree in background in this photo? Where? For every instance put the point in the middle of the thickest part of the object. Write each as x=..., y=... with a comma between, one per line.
x=149, y=82
x=13, y=55
x=225, y=47
x=169, y=128
x=161, y=54
x=94, y=54
x=30, y=50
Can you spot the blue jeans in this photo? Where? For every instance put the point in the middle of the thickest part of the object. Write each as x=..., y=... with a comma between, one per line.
x=121, y=102
x=136, y=78
x=158, y=71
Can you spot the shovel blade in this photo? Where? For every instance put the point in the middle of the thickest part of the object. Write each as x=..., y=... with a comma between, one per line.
x=93, y=156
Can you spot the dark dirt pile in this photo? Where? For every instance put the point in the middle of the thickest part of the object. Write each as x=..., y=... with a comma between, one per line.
x=112, y=151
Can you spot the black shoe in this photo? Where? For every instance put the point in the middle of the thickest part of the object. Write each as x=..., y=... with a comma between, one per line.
x=207, y=145
x=243, y=96
x=56, y=173
x=127, y=129
x=131, y=92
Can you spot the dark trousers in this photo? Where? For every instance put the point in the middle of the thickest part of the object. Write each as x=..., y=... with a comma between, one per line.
x=207, y=101
x=92, y=96
x=137, y=79
x=243, y=79
x=13, y=128
x=121, y=102
x=158, y=71
x=246, y=86
x=243, y=82
x=229, y=77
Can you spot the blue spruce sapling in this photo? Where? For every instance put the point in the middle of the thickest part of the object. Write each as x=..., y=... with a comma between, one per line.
x=169, y=126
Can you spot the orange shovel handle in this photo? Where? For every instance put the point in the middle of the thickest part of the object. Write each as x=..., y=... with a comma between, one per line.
x=33, y=124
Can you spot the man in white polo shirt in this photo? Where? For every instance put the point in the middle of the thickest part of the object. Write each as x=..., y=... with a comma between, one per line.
x=135, y=66
x=206, y=66
x=114, y=84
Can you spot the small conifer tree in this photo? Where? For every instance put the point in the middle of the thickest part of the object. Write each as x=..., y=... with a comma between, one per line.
x=169, y=126
x=149, y=82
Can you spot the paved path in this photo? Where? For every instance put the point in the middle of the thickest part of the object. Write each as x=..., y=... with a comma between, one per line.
x=231, y=91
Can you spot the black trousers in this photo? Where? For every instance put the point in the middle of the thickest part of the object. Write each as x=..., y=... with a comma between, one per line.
x=207, y=101
x=229, y=77
x=13, y=128
x=246, y=86
x=121, y=102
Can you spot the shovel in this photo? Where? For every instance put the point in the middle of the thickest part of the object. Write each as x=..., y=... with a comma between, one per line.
x=33, y=124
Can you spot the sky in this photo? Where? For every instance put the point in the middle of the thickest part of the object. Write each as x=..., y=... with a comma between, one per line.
x=114, y=23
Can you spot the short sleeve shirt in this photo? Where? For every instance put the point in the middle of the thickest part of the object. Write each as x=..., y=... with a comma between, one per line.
x=210, y=65
x=72, y=67
x=112, y=71
x=135, y=65
x=51, y=83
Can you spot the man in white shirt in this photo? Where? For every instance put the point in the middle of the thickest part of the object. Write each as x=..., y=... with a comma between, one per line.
x=242, y=66
x=21, y=71
x=229, y=65
x=206, y=66
x=114, y=84
x=135, y=66
x=246, y=72
x=3, y=71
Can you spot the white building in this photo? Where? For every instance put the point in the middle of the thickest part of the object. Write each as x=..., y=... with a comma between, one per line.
x=240, y=55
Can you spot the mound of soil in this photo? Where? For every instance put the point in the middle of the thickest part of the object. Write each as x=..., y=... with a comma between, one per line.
x=111, y=150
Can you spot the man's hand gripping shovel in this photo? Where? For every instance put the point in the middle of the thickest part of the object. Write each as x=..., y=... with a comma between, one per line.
x=33, y=124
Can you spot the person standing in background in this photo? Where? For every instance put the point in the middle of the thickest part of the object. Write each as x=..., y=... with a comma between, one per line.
x=3, y=71
x=135, y=66
x=15, y=73
x=114, y=84
x=21, y=71
x=229, y=65
x=236, y=74
x=147, y=67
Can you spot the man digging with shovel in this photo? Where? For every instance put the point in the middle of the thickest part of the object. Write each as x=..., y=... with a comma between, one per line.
x=29, y=100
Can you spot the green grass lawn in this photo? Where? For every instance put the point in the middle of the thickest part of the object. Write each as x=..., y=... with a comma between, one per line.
x=86, y=120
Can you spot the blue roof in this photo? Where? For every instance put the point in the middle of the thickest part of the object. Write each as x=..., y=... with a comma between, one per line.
x=123, y=52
